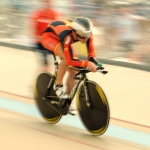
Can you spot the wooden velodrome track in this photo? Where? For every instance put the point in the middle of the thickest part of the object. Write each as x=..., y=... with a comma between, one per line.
x=22, y=127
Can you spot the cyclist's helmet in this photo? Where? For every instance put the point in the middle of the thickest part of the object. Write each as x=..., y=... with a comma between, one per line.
x=82, y=27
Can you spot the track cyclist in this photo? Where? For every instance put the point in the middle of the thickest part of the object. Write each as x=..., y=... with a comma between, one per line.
x=60, y=36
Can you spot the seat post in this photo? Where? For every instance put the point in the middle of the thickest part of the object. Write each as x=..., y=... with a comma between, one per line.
x=54, y=57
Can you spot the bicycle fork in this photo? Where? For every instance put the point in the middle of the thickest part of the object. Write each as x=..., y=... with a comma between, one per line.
x=87, y=99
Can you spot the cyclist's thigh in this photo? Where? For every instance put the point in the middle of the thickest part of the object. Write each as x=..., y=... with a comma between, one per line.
x=51, y=42
x=59, y=52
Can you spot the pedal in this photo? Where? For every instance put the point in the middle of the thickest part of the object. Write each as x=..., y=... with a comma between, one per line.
x=62, y=102
x=64, y=105
x=64, y=110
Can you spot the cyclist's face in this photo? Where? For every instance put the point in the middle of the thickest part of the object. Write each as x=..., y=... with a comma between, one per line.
x=81, y=39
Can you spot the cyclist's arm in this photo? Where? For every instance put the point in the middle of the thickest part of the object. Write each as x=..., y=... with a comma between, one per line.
x=91, y=49
x=92, y=53
x=68, y=52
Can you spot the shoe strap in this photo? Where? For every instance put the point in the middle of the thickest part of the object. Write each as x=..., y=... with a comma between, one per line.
x=58, y=86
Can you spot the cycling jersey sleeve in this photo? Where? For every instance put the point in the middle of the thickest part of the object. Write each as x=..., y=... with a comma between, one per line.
x=68, y=52
x=91, y=52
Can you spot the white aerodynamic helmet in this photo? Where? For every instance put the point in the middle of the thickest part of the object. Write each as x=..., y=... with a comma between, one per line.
x=82, y=26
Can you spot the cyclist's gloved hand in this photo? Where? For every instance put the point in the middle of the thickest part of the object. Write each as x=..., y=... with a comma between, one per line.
x=92, y=67
x=99, y=64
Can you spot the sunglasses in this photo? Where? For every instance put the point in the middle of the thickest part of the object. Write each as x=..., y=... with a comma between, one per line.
x=82, y=35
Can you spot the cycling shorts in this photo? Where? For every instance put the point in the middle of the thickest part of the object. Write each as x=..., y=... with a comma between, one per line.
x=51, y=42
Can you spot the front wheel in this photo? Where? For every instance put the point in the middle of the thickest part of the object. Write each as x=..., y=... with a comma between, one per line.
x=96, y=119
x=40, y=86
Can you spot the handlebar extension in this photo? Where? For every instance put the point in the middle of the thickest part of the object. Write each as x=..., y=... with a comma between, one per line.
x=101, y=69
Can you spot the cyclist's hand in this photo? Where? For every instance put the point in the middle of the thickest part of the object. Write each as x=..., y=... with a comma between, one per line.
x=99, y=64
x=92, y=67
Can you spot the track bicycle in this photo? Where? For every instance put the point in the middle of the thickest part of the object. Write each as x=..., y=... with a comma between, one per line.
x=91, y=101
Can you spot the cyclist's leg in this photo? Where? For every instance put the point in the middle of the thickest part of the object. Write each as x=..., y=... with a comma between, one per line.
x=70, y=82
x=62, y=68
x=51, y=42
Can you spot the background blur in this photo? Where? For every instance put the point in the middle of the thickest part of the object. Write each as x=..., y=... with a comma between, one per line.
x=121, y=29
x=121, y=34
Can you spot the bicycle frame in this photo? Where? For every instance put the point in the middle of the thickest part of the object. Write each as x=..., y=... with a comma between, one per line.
x=92, y=104
x=82, y=77
x=75, y=87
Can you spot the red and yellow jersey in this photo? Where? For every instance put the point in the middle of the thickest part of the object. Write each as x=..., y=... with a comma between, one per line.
x=63, y=30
